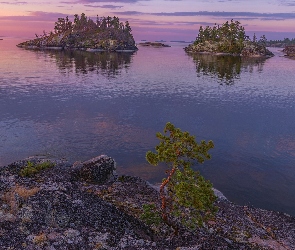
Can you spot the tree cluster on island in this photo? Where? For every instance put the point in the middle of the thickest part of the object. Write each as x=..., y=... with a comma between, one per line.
x=228, y=38
x=105, y=33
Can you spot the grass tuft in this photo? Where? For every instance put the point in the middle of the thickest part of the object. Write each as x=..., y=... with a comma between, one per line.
x=32, y=169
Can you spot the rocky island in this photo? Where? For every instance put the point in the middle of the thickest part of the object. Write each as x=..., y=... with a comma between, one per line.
x=104, y=34
x=228, y=39
x=154, y=44
x=50, y=203
x=289, y=50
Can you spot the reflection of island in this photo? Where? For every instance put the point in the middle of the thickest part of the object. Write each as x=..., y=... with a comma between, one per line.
x=226, y=68
x=106, y=63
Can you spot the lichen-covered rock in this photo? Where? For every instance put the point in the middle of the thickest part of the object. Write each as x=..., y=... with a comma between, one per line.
x=255, y=49
x=97, y=170
x=53, y=210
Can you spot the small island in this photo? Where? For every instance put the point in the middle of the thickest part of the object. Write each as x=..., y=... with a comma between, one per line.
x=228, y=39
x=289, y=50
x=104, y=34
x=154, y=44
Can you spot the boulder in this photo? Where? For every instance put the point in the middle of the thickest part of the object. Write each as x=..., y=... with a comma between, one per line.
x=98, y=170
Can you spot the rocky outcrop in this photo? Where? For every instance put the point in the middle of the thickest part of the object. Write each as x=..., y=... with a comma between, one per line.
x=98, y=170
x=290, y=50
x=154, y=44
x=250, y=49
x=255, y=50
x=61, y=207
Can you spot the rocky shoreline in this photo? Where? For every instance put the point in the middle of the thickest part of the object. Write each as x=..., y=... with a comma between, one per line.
x=289, y=50
x=249, y=50
x=109, y=46
x=85, y=205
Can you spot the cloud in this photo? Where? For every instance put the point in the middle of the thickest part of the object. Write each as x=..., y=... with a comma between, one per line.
x=107, y=6
x=132, y=13
x=102, y=1
x=36, y=16
x=13, y=3
x=287, y=3
x=252, y=15
x=231, y=14
x=174, y=23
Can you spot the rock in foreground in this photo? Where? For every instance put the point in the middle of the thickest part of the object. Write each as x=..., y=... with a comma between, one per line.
x=59, y=207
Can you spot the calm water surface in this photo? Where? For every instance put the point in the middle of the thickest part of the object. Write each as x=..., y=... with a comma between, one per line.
x=80, y=105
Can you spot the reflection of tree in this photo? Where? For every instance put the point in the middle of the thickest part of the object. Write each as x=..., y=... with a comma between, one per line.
x=226, y=68
x=82, y=62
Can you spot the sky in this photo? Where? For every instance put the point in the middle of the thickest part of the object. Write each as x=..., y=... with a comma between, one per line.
x=153, y=19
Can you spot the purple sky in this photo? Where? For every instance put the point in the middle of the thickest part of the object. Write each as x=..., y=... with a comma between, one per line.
x=153, y=19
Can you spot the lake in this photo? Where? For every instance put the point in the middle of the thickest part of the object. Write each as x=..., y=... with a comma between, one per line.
x=78, y=105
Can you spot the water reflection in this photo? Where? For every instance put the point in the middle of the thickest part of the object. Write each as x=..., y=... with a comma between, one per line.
x=226, y=68
x=83, y=62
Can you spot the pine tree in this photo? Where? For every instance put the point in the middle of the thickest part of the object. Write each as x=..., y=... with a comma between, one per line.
x=186, y=197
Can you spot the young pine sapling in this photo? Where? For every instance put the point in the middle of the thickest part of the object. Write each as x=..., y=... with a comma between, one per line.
x=186, y=197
